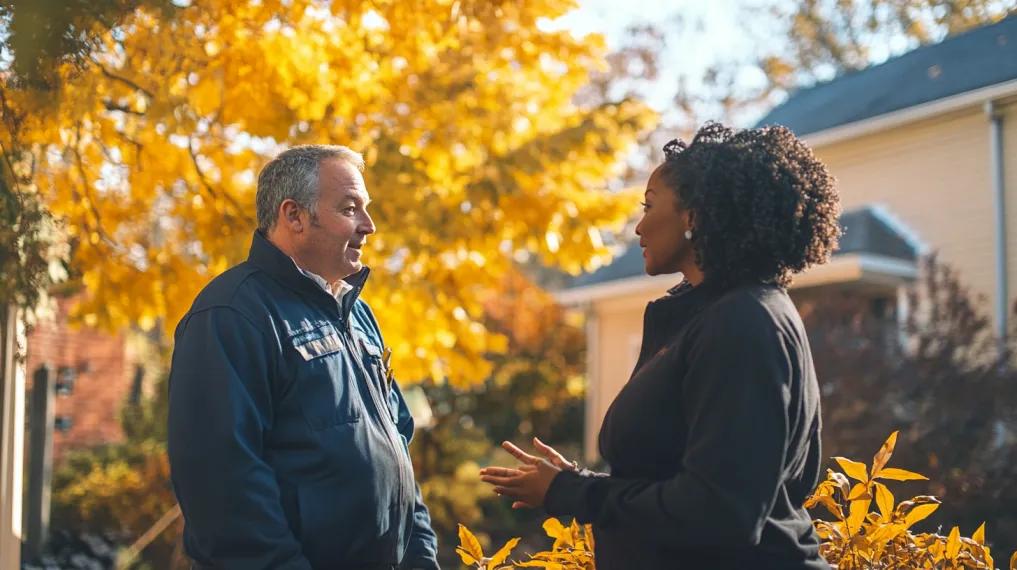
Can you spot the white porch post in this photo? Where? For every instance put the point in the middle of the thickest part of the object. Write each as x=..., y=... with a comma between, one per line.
x=12, y=422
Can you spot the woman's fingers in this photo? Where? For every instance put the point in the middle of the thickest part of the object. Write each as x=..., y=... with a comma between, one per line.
x=519, y=453
x=500, y=471
x=500, y=480
x=522, y=505
x=510, y=492
x=552, y=455
x=549, y=452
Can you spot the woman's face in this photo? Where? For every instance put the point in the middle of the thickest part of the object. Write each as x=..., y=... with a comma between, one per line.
x=662, y=230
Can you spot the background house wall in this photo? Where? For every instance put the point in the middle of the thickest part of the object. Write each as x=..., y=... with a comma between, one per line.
x=104, y=375
x=935, y=176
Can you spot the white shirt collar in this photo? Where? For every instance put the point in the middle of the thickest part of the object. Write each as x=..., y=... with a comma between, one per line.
x=338, y=289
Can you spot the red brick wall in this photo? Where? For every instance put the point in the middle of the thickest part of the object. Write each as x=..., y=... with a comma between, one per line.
x=103, y=380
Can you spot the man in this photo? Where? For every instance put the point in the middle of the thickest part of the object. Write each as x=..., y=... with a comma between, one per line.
x=287, y=435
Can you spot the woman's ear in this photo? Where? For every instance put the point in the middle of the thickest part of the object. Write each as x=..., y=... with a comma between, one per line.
x=690, y=220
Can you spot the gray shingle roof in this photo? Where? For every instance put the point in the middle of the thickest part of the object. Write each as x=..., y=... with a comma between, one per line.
x=866, y=230
x=978, y=58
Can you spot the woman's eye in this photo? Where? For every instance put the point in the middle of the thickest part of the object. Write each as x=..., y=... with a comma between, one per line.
x=645, y=206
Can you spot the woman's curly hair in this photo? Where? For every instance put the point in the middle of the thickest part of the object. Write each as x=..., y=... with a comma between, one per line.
x=763, y=206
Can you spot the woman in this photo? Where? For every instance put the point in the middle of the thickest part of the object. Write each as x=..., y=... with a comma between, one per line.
x=713, y=443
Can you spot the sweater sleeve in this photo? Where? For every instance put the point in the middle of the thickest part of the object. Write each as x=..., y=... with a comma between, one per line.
x=735, y=399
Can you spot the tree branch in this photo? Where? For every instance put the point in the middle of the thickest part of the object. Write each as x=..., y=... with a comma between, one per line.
x=238, y=211
x=122, y=79
x=111, y=106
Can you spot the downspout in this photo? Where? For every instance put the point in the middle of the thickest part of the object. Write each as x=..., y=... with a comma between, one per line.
x=999, y=195
x=594, y=384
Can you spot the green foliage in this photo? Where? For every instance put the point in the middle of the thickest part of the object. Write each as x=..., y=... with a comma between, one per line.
x=25, y=243
x=42, y=34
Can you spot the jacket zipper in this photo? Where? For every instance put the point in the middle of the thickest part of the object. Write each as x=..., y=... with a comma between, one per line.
x=385, y=417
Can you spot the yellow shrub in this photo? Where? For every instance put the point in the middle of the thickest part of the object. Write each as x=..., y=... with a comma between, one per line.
x=858, y=538
x=572, y=549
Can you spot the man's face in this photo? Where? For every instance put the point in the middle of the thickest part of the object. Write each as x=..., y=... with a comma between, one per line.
x=333, y=241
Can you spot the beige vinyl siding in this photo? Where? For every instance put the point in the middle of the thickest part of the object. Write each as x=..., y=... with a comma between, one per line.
x=935, y=177
x=1010, y=185
x=619, y=331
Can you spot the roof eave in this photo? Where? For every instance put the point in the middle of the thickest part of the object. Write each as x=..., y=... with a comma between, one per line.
x=893, y=119
x=846, y=268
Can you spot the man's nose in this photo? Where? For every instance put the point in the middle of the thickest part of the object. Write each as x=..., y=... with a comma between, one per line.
x=367, y=226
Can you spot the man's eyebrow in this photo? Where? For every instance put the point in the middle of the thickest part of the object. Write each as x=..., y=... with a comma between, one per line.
x=356, y=199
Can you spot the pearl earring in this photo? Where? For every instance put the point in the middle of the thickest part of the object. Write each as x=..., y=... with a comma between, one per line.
x=688, y=234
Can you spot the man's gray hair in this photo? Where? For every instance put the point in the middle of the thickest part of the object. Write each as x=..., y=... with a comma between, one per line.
x=294, y=175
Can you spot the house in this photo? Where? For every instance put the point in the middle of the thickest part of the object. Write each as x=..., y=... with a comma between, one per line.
x=923, y=147
x=95, y=373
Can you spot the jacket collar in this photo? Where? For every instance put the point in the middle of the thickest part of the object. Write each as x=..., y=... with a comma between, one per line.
x=667, y=315
x=267, y=257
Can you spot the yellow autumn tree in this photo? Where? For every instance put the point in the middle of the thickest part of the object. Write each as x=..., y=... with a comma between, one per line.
x=149, y=147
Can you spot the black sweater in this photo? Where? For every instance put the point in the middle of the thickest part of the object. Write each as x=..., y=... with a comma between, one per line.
x=713, y=443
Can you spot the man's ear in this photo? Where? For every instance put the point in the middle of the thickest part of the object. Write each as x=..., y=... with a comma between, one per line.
x=292, y=216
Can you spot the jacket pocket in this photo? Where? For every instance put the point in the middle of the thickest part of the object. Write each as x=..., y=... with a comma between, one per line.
x=323, y=380
x=342, y=524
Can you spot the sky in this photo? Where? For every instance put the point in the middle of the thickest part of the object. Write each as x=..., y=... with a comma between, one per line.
x=699, y=32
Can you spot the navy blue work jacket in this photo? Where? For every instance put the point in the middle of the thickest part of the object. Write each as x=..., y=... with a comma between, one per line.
x=287, y=441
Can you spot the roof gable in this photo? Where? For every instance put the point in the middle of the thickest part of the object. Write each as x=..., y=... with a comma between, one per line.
x=975, y=59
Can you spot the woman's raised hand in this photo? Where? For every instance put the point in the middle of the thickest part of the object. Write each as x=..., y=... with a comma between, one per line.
x=549, y=453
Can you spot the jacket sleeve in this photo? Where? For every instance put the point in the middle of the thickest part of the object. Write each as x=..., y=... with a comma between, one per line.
x=220, y=408
x=422, y=550
x=735, y=399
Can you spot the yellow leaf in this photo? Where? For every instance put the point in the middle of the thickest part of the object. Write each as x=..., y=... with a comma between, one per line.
x=979, y=535
x=859, y=491
x=953, y=544
x=895, y=474
x=853, y=469
x=554, y=528
x=503, y=553
x=469, y=543
x=857, y=511
x=884, y=500
x=883, y=455
x=919, y=513
x=467, y=559
x=831, y=506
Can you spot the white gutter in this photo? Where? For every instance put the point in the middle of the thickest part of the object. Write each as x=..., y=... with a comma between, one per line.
x=616, y=288
x=846, y=268
x=999, y=198
x=886, y=121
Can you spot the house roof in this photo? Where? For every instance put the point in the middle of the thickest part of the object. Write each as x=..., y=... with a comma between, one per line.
x=976, y=59
x=867, y=230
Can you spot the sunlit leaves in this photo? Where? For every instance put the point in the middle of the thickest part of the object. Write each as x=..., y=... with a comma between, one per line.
x=859, y=538
x=469, y=549
x=465, y=111
x=854, y=470
x=572, y=549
